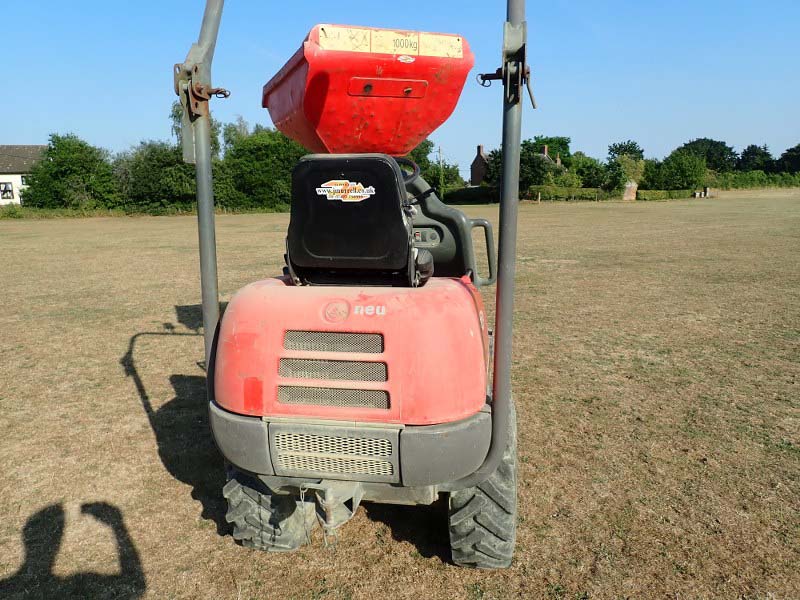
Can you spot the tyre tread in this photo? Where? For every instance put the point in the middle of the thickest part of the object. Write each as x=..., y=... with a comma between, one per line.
x=483, y=519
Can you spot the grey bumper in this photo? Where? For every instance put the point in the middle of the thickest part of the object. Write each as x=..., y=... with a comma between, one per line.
x=409, y=456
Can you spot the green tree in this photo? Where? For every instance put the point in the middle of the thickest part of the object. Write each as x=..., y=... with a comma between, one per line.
x=632, y=167
x=533, y=167
x=448, y=173
x=176, y=120
x=568, y=179
x=494, y=168
x=261, y=166
x=431, y=171
x=590, y=170
x=615, y=178
x=71, y=174
x=683, y=170
x=153, y=178
x=226, y=192
x=755, y=158
x=626, y=148
x=718, y=155
x=789, y=162
x=556, y=146
x=651, y=175
x=234, y=132
x=422, y=156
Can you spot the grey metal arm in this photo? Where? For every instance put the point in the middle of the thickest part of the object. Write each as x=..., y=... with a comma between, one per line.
x=514, y=75
x=193, y=86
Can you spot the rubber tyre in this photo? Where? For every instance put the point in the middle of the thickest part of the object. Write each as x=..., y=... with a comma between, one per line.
x=483, y=519
x=266, y=521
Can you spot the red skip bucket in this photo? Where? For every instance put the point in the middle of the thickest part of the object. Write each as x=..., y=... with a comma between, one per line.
x=359, y=89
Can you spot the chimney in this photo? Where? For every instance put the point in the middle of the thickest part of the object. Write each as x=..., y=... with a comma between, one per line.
x=558, y=159
x=546, y=150
x=480, y=150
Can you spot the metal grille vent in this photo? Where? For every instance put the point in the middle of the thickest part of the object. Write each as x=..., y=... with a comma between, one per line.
x=336, y=465
x=327, y=341
x=326, y=444
x=334, y=454
x=337, y=370
x=316, y=396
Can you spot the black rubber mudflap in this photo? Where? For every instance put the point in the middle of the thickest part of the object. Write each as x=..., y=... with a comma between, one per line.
x=483, y=519
x=265, y=521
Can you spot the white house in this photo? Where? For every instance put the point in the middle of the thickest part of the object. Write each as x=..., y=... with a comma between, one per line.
x=16, y=163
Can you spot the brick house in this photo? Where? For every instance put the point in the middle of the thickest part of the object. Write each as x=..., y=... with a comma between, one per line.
x=478, y=168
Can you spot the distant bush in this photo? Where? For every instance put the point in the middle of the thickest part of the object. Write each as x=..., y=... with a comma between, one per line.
x=153, y=178
x=650, y=195
x=12, y=211
x=591, y=171
x=568, y=179
x=260, y=169
x=71, y=174
x=682, y=170
x=473, y=195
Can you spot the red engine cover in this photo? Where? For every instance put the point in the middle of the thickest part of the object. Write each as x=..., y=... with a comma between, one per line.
x=359, y=89
x=434, y=348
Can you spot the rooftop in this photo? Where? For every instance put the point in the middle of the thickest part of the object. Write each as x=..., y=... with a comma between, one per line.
x=19, y=160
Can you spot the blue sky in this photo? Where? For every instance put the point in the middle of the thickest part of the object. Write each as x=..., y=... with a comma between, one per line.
x=658, y=72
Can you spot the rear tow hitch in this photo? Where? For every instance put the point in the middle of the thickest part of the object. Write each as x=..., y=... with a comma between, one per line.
x=336, y=503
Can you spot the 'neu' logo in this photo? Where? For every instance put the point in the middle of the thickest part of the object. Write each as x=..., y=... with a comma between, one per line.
x=370, y=310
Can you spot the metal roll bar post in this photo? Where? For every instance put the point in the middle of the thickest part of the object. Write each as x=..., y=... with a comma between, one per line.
x=193, y=86
x=514, y=75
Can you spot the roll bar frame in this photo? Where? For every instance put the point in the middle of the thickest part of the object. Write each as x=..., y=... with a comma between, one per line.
x=193, y=86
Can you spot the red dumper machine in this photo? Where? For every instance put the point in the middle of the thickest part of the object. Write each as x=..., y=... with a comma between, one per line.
x=367, y=372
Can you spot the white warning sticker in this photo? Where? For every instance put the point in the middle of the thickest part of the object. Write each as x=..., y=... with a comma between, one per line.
x=390, y=41
x=345, y=191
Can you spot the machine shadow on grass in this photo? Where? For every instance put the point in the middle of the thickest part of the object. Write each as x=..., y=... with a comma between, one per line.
x=424, y=527
x=42, y=537
x=181, y=426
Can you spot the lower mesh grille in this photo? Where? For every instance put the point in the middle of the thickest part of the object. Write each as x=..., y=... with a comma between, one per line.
x=326, y=444
x=327, y=341
x=334, y=454
x=346, y=398
x=331, y=451
x=337, y=465
x=336, y=370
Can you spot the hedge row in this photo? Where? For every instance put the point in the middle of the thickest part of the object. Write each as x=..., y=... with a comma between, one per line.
x=16, y=211
x=554, y=192
x=738, y=180
x=486, y=195
x=663, y=194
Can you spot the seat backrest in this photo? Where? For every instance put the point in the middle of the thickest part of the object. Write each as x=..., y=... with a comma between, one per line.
x=348, y=222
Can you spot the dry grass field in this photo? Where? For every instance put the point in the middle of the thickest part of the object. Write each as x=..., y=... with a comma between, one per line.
x=657, y=378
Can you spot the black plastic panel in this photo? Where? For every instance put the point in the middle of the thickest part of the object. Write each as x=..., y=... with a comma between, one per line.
x=367, y=231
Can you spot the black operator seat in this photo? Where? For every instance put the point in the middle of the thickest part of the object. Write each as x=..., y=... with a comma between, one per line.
x=350, y=224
